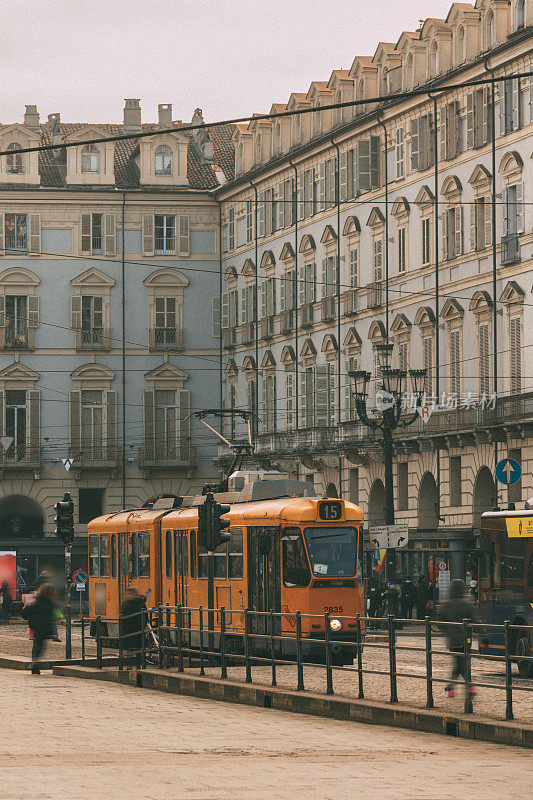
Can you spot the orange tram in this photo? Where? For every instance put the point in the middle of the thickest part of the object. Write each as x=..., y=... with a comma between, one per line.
x=288, y=552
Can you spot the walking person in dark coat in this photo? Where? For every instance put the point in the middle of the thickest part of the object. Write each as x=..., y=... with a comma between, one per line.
x=407, y=598
x=133, y=627
x=421, y=597
x=456, y=608
x=6, y=602
x=41, y=621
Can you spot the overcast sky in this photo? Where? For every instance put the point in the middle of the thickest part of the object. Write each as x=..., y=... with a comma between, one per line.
x=83, y=57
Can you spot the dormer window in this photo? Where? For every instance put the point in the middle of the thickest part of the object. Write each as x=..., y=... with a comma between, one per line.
x=15, y=161
x=461, y=45
x=519, y=15
x=90, y=159
x=433, y=60
x=163, y=160
x=490, y=29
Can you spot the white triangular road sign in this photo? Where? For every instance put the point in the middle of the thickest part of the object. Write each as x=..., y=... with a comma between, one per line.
x=67, y=463
x=6, y=442
x=425, y=412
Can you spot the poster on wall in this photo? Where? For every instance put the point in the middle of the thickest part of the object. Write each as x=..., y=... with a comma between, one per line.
x=8, y=570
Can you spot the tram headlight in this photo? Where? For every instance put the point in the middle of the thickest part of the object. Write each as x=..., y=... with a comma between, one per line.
x=335, y=624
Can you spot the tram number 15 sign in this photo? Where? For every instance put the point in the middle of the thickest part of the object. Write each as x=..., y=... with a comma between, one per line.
x=330, y=511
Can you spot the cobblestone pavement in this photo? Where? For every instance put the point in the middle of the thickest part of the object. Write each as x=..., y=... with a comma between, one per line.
x=65, y=738
x=412, y=691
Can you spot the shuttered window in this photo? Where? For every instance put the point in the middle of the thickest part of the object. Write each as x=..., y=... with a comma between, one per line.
x=289, y=401
x=403, y=356
x=484, y=358
x=515, y=354
x=510, y=117
x=98, y=234
x=402, y=259
x=455, y=361
x=427, y=363
x=400, y=153
x=426, y=241
x=354, y=267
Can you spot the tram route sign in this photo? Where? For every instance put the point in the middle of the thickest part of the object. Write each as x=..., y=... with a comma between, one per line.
x=388, y=537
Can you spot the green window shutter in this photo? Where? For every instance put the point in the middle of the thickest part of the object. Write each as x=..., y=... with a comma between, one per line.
x=444, y=231
x=301, y=285
x=33, y=311
x=343, y=176
x=149, y=429
x=488, y=221
x=470, y=139
x=110, y=228
x=474, y=221
x=184, y=243
x=458, y=230
x=375, y=162
x=283, y=291
x=34, y=400
x=321, y=395
x=503, y=126
x=281, y=205
x=2, y=311
x=2, y=246
x=35, y=233
x=75, y=312
x=184, y=422
x=85, y=234
x=415, y=144
x=111, y=422
x=75, y=422
x=225, y=310
x=516, y=116
x=363, y=165
x=520, y=208
x=147, y=234
x=322, y=186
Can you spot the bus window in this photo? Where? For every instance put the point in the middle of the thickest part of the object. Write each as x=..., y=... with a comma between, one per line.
x=113, y=555
x=122, y=555
x=221, y=561
x=235, y=554
x=133, y=555
x=144, y=555
x=295, y=566
x=333, y=551
x=105, y=556
x=193, y=554
x=168, y=553
x=93, y=556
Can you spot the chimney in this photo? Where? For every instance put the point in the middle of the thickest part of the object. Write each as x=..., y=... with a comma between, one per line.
x=31, y=118
x=165, y=115
x=132, y=116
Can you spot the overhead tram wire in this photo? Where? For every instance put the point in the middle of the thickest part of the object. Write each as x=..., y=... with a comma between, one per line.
x=389, y=98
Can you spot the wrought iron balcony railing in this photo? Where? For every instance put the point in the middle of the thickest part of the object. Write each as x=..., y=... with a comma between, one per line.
x=16, y=337
x=510, y=253
x=22, y=456
x=95, y=457
x=179, y=454
x=166, y=339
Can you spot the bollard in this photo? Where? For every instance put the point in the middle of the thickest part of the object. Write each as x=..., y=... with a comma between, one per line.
x=98, y=642
x=429, y=666
x=469, y=708
x=201, y=629
x=223, y=665
x=120, y=646
x=327, y=645
x=161, y=634
x=361, y=694
x=508, y=675
x=392, y=660
x=299, y=663
x=180, y=644
x=247, y=646
x=82, y=639
x=273, y=648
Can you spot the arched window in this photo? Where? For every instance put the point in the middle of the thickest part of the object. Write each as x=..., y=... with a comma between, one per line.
x=409, y=72
x=278, y=138
x=15, y=161
x=163, y=160
x=259, y=149
x=519, y=14
x=433, y=60
x=490, y=29
x=384, y=81
x=90, y=159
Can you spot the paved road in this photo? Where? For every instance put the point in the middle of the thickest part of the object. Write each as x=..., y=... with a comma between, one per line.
x=67, y=738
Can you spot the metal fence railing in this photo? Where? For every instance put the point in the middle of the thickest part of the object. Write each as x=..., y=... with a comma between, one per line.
x=169, y=636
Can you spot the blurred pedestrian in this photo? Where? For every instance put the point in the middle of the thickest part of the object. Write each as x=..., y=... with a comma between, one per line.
x=407, y=598
x=391, y=600
x=41, y=621
x=421, y=597
x=132, y=627
x=373, y=601
x=6, y=601
x=457, y=608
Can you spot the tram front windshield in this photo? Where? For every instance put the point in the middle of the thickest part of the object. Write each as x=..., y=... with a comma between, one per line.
x=333, y=551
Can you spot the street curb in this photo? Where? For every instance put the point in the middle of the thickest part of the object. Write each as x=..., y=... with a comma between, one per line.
x=342, y=708
x=23, y=663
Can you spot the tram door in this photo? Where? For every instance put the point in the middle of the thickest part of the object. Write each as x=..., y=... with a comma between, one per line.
x=122, y=565
x=264, y=577
x=181, y=567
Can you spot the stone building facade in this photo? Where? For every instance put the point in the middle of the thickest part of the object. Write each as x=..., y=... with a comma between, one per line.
x=337, y=230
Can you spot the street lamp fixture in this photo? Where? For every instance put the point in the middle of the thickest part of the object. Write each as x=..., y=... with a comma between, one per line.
x=361, y=379
x=384, y=353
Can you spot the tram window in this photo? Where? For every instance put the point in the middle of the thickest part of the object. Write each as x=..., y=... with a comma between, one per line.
x=168, y=553
x=144, y=555
x=295, y=567
x=113, y=555
x=105, y=555
x=202, y=561
x=193, y=554
x=235, y=554
x=185, y=554
x=181, y=553
x=221, y=562
x=332, y=551
x=512, y=559
x=93, y=556
x=133, y=555
x=122, y=555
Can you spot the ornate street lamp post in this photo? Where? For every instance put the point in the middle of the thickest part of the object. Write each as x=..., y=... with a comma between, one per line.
x=389, y=404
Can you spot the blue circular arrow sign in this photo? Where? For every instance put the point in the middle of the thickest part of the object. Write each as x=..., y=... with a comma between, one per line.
x=508, y=471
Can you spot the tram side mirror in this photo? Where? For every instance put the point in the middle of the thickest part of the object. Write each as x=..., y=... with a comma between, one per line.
x=264, y=544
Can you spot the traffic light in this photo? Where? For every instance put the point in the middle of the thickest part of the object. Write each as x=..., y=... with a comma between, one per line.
x=220, y=535
x=211, y=529
x=64, y=519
